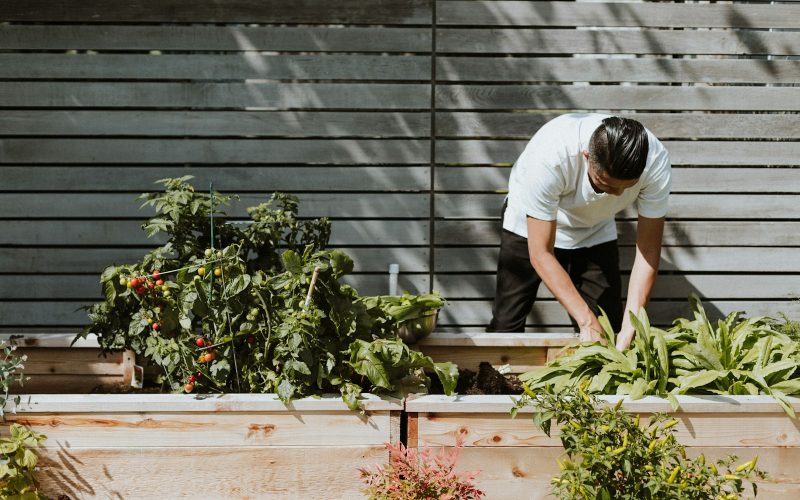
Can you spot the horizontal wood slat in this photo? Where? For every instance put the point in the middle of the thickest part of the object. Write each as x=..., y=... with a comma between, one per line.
x=110, y=233
x=609, y=41
x=214, y=67
x=225, y=38
x=197, y=95
x=87, y=287
x=680, y=152
x=747, y=286
x=616, y=97
x=551, y=313
x=159, y=151
x=676, y=259
x=232, y=11
x=571, y=69
x=666, y=14
x=304, y=472
x=94, y=260
x=522, y=125
x=676, y=233
x=175, y=430
x=684, y=180
x=688, y=206
x=397, y=178
x=71, y=205
x=215, y=123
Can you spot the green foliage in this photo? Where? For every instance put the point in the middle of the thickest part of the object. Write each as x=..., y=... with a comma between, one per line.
x=235, y=319
x=737, y=356
x=17, y=463
x=610, y=455
x=11, y=367
x=418, y=475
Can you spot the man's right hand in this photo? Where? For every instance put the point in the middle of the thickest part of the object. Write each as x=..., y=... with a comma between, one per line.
x=592, y=332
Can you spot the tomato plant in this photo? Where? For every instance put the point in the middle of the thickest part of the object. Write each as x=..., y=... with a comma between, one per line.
x=235, y=316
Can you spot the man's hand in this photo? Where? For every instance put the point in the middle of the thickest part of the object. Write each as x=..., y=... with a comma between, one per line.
x=592, y=332
x=625, y=337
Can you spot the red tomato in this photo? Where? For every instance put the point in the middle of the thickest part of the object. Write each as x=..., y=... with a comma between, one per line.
x=156, y=275
x=200, y=342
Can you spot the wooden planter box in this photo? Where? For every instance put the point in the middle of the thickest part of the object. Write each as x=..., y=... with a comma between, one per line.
x=517, y=460
x=518, y=352
x=228, y=446
x=55, y=366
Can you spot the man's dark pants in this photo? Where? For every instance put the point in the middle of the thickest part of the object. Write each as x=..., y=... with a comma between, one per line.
x=594, y=271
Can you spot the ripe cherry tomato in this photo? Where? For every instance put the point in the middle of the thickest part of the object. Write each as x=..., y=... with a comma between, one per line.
x=210, y=357
x=251, y=339
x=156, y=327
x=200, y=342
x=134, y=282
x=151, y=285
x=156, y=275
x=188, y=387
x=159, y=282
x=192, y=379
x=140, y=290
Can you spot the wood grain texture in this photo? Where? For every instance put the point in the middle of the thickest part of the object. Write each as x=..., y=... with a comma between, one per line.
x=571, y=69
x=667, y=14
x=614, y=97
x=249, y=65
x=153, y=123
x=611, y=41
x=203, y=95
x=209, y=430
x=232, y=11
x=676, y=233
x=680, y=152
x=234, y=38
x=282, y=472
x=112, y=233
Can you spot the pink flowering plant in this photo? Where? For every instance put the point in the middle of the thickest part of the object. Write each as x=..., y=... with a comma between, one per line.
x=420, y=475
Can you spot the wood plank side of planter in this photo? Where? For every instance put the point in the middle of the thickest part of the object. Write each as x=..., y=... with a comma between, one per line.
x=242, y=445
x=517, y=460
x=204, y=472
x=51, y=369
x=517, y=352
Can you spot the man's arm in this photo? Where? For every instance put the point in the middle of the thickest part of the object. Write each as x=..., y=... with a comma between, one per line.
x=541, y=241
x=649, y=233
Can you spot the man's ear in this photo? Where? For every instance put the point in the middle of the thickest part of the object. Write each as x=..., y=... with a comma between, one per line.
x=585, y=154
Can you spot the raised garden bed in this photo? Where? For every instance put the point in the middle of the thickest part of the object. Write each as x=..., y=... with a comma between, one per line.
x=517, y=459
x=232, y=446
x=54, y=365
x=519, y=352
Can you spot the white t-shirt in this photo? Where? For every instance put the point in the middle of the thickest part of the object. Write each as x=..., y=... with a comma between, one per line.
x=550, y=181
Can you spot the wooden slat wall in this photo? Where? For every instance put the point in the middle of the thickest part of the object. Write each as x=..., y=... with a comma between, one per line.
x=326, y=100
x=400, y=120
x=724, y=101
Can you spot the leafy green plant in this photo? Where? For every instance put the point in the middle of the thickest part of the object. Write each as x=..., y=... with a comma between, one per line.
x=738, y=356
x=611, y=454
x=264, y=313
x=11, y=367
x=17, y=463
x=413, y=475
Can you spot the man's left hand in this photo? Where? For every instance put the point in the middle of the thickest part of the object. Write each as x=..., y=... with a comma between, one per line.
x=625, y=337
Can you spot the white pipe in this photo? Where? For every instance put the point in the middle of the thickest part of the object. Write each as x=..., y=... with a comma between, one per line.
x=394, y=270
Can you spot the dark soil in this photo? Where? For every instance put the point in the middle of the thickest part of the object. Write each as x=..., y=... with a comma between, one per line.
x=121, y=388
x=487, y=381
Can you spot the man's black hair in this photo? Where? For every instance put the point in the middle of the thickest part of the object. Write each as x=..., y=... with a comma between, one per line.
x=619, y=147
